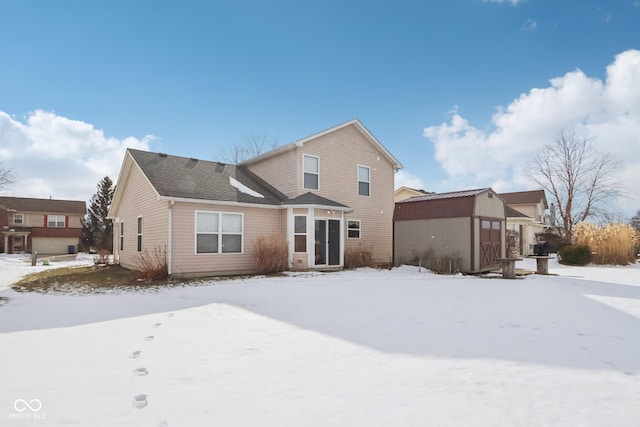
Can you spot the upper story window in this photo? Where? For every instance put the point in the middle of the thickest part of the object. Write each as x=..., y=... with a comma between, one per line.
x=18, y=218
x=218, y=232
x=57, y=221
x=364, y=181
x=311, y=172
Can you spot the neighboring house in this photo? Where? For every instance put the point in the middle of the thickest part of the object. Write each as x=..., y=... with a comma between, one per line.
x=464, y=225
x=526, y=216
x=44, y=225
x=325, y=194
x=403, y=193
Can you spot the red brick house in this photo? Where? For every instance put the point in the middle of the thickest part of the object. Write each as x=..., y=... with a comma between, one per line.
x=47, y=226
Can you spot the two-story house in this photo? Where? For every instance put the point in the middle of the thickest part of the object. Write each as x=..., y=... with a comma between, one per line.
x=324, y=193
x=44, y=225
x=526, y=216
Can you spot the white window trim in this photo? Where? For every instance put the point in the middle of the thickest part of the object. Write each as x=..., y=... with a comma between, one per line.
x=139, y=233
x=305, y=172
x=219, y=233
x=64, y=221
x=121, y=239
x=21, y=215
x=306, y=233
x=358, y=180
x=359, y=229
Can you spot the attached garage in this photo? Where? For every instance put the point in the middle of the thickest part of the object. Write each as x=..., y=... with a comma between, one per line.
x=54, y=245
x=468, y=226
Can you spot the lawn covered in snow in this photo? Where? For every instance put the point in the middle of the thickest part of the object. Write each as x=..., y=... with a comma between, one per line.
x=369, y=347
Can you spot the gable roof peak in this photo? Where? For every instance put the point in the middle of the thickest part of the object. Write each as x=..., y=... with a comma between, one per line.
x=300, y=143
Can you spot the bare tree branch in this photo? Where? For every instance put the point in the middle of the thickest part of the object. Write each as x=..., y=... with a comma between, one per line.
x=579, y=178
x=6, y=176
x=254, y=145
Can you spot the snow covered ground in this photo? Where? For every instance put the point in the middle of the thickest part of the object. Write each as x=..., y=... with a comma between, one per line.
x=356, y=348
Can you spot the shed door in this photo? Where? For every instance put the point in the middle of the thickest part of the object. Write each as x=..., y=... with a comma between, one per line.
x=490, y=231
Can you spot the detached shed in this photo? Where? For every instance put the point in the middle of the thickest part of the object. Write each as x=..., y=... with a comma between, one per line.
x=465, y=225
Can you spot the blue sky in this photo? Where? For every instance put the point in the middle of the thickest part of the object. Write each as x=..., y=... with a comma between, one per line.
x=193, y=77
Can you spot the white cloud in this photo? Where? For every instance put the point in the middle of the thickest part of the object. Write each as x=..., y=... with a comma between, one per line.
x=529, y=25
x=51, y=155
x=608, y=111
x=406, y=179
x=512, y=2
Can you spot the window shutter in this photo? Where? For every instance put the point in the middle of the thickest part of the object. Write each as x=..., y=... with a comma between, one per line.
x=66, y=221
x=45, y=220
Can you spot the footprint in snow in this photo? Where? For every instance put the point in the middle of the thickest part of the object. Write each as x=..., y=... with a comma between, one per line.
x=140, y=401
x=170, y=315
x=135, y=354
x=140, y=372
x=157, y=325
x=149, y=338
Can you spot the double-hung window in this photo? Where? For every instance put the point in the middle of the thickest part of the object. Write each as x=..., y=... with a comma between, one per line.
x=300, y=233
x=218, y=232
x=139, y=234
x=311, y=172
x=18, y=218
x=353, y=229
x=121, y=235
x=55, y=221
x=364, y=181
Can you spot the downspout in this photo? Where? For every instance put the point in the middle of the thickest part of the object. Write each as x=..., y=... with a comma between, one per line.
x=169, y=240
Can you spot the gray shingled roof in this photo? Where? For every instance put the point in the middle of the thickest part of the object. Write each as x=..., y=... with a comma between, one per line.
x=188, y=178
x=513, y=213
x=313, y=199
x=24, y=204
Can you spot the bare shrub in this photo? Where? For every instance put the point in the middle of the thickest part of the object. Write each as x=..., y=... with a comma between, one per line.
x=610, y=244
x=361, y=256
x=447, y=264
x=102, y=257
x=152, y=265
x=512, y=243
x=271, y=254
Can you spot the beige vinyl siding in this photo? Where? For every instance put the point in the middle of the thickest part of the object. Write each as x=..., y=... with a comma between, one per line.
x=406, y=193
x=491, y=207
x=280, y=171
x=53, y=245
x=340, y=153
x=529, y=210
x=444, y=236
x=256, y=222
x=140, y=199
x=36, y=219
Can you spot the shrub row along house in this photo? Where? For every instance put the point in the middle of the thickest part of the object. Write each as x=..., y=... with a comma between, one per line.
x=325, y=193
x=45, y=226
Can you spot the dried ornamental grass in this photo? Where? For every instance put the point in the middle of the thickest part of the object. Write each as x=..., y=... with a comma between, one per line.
x=611, y=244
x=361, y=256
x=271, y=254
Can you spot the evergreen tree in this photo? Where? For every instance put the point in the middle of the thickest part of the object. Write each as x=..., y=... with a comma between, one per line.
x=97, y=230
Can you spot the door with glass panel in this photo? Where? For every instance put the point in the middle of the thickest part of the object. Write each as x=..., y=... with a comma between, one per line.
x=327, y=242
